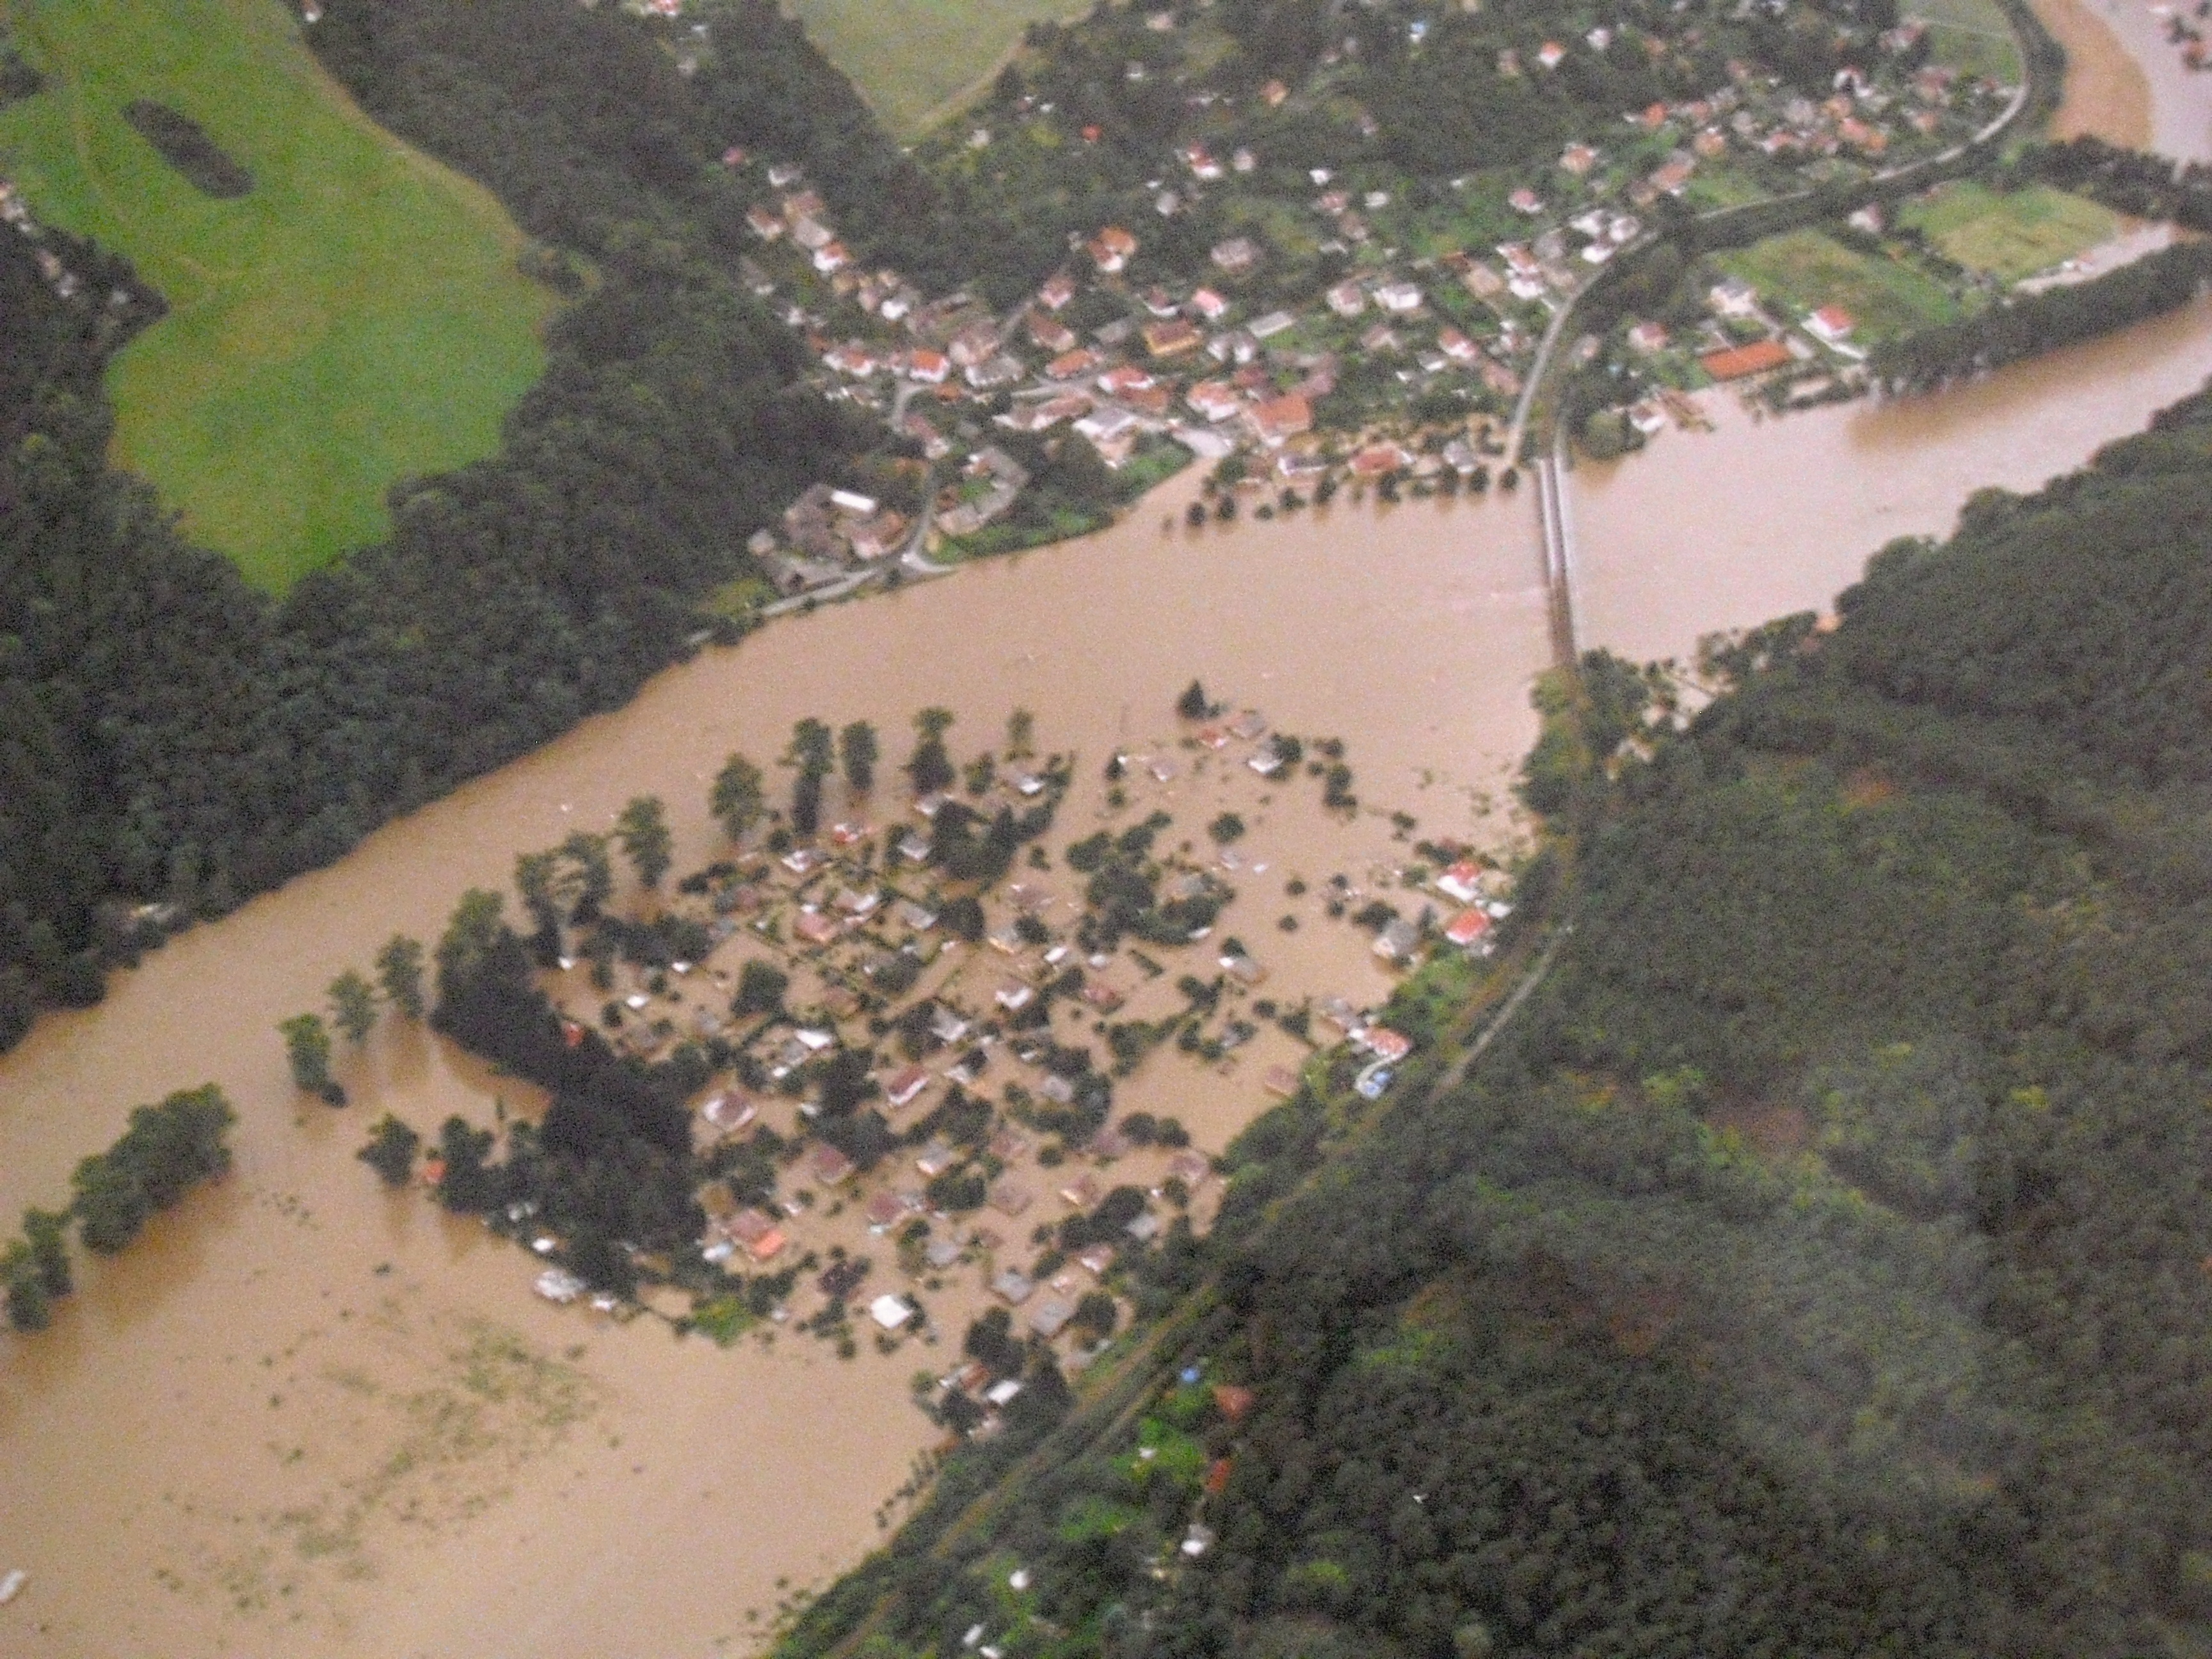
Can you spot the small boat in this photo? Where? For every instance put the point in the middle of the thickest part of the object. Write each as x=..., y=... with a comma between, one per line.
x=11, y=1586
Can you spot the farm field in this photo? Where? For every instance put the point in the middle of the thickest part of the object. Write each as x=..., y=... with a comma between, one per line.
x=2010, y=235
x=912, y=60
x=356, y=316
x=1971, y=36
x=1805, y=270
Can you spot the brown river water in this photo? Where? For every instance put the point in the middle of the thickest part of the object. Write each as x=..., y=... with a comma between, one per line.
x=304, y=1417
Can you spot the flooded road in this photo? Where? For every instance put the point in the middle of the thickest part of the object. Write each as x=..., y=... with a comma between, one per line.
x=308, y=1417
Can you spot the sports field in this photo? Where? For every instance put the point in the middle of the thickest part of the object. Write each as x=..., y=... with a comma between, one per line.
x=913, y=60
x=355, y=317
x=2013, y=235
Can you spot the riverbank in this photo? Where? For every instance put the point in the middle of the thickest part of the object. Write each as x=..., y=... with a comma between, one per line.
x=2178, y=118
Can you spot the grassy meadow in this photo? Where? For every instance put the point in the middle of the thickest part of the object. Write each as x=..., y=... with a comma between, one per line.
x=1805, y=270
x=914, y=59
x=2013, y=234
x=356, y=317
x=1971, y=36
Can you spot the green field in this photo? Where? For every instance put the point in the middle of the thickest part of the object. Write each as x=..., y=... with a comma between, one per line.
x=2009, y=236
x=1806, y=270
x=1971, y=36
x=913, y=60
x=354, y=317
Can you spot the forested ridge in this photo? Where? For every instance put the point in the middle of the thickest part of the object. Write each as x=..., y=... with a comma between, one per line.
x=170, y=736
x=1822, y=1262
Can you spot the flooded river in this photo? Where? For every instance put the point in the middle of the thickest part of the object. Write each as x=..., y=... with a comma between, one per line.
x=2107, y=92
x=2107, y=99
x=245, y=1437
x=1759, y=518
x=307, y=1417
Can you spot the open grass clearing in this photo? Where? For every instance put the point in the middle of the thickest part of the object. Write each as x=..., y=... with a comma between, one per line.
x=1971, y=36
x=357, y=316
x=913, y=60
x=1805, y=270
x=2011, y=234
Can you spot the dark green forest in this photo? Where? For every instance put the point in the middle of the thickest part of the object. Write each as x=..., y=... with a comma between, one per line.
x=168, y=736
x=1822, y=1262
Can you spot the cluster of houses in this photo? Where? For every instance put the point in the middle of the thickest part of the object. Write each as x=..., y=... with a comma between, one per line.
x=1206, y=365
x=856, y=921
x=1199, y=367
x=940, y=353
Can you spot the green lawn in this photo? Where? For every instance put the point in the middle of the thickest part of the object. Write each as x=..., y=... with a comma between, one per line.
x=1971, y=36
x=2010, y=235
x=913, y=59
x=356, y=317
x=1805, y=270
x=1723, y=186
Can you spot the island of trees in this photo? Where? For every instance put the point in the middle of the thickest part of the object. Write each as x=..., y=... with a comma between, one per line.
x=167, y=1150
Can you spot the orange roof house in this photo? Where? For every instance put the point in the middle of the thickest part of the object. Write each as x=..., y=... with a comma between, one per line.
x=1738, y=361
x=1281, y=418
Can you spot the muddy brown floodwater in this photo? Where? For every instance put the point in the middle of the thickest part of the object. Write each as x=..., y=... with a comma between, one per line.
x=1759, y=518
x=2106, y=93
x=304, y=1417
x=307, y=1417
x=2161, y=104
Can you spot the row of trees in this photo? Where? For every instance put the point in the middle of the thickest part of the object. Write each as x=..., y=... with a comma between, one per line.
x=2028, y=325
x=739, y=797
x=354, y=1003
x=2143, y=185
x=167, y=1150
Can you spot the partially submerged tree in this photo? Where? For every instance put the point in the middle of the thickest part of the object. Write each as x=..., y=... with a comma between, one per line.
x=642, y=830
x=29, y=1306
x=307, y=1048
x=391, y=1150
x=930, y=767
x=739, y=797
x=46, y=1233
x=761, y=986
x=858, y=747
x=353, y=1007
x=814, y=751
x=399, y=973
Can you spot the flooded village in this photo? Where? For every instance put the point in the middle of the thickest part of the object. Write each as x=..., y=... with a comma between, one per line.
x=925, y=1087
x=315, y=1416
x=1367, y=333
